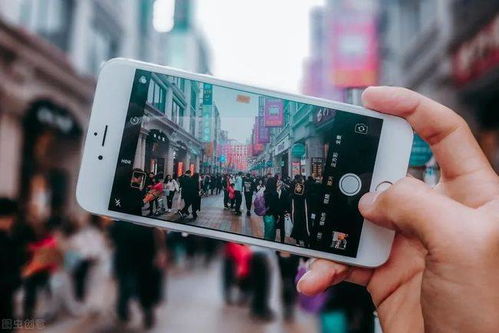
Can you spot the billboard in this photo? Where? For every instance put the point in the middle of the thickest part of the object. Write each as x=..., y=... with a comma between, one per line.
x=257, y=148
x=207, y=112
x=263, y=132
x=353, y=43
x=478, y=55
x=273, y=112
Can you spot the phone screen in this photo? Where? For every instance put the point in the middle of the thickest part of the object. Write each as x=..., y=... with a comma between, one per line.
x=224, y=159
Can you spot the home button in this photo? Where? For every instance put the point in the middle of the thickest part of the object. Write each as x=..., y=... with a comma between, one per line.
x=383, y=186
x=350, y=184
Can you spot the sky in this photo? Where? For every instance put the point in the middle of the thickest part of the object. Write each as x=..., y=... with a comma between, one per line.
x=236, y=117
x=257, y=42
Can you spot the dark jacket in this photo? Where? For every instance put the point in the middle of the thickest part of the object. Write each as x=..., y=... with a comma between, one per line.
x=277, y=205
x=189, y=189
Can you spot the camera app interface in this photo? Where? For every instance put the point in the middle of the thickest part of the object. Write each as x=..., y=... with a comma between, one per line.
x=234, y=161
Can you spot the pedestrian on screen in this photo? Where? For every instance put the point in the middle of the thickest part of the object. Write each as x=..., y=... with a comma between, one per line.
x=171, y=187
x=238, y=188
x=196, y=201
x=249, y=187
x=188, y=192
x=442, y=272
x=299, y=211
x=225, y=186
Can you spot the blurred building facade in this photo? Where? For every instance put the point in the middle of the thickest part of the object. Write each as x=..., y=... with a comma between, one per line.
x=447, y=50
x=168, y=141
x=50, y=53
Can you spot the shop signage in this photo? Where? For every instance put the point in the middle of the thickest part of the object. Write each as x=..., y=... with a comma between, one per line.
x=295, y=168
x=257, y=148
x=323, y=115
x=317, y=166
x=420, y=153
x=207, y=94
x=478, y=55
x=283, y=145
x=354, y=43
x=298, y=150
x=207, y=111
x=273, y=111
x=263, y=132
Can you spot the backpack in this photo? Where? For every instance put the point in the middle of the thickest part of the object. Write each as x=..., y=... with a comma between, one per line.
x=259, y=204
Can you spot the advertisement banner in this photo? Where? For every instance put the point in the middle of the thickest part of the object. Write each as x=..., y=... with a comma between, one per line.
x=263, y=132
x=323, y=115
x=317, y=167
x=295, y=168
x=478, y=55
x=206, y=121
x=354, y=44
x=273, y=112
x=257, y=147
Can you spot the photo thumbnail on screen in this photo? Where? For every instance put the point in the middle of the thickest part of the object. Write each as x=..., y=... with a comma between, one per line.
x=230, y=160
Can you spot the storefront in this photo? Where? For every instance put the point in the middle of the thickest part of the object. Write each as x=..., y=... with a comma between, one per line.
x=316, y=144
x=157, y=148
x=281, y=157
x=45, y=175
x=44, y=110
x=475, y=56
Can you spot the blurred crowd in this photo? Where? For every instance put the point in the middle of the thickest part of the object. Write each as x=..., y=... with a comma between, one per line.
x=62, y=267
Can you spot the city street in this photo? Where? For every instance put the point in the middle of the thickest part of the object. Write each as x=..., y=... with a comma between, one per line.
x=214, y=216
x=193, y=303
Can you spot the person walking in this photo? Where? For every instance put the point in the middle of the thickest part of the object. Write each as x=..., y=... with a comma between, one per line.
x=171, y=187
x=11, y=258
x=249, y=188
x=139, y=261
x=157, y=192
x=288, y=268
x=282, y=208
x=238, y=188
x=225, y=186
x=299, y=211
x=196, y=198
x=188, y=193
x=219, y=184
x=271, y=216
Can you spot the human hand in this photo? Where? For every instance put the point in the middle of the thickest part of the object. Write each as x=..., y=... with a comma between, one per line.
x=442, y=274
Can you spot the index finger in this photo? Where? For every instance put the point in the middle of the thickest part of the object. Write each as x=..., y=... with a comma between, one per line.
x=450, y=138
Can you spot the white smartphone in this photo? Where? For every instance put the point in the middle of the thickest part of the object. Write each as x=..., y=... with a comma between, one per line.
x=151, y=123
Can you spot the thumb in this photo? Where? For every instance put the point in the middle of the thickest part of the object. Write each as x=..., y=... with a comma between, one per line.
x=414, y=209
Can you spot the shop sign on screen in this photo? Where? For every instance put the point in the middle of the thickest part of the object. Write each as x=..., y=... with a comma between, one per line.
x=317, y=165
x=207, y=111
x=323, y=115
x=263, y=132
x=273, y=112
x=295, y=168
x=282, y=146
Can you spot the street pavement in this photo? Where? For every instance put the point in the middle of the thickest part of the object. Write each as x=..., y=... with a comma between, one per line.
x=214, y=216
x=193, y=303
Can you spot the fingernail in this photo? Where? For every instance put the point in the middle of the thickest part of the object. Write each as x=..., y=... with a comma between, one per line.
x=367, y=200
x=305, y=277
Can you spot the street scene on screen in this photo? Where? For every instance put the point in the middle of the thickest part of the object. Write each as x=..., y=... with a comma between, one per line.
x=238, y=162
